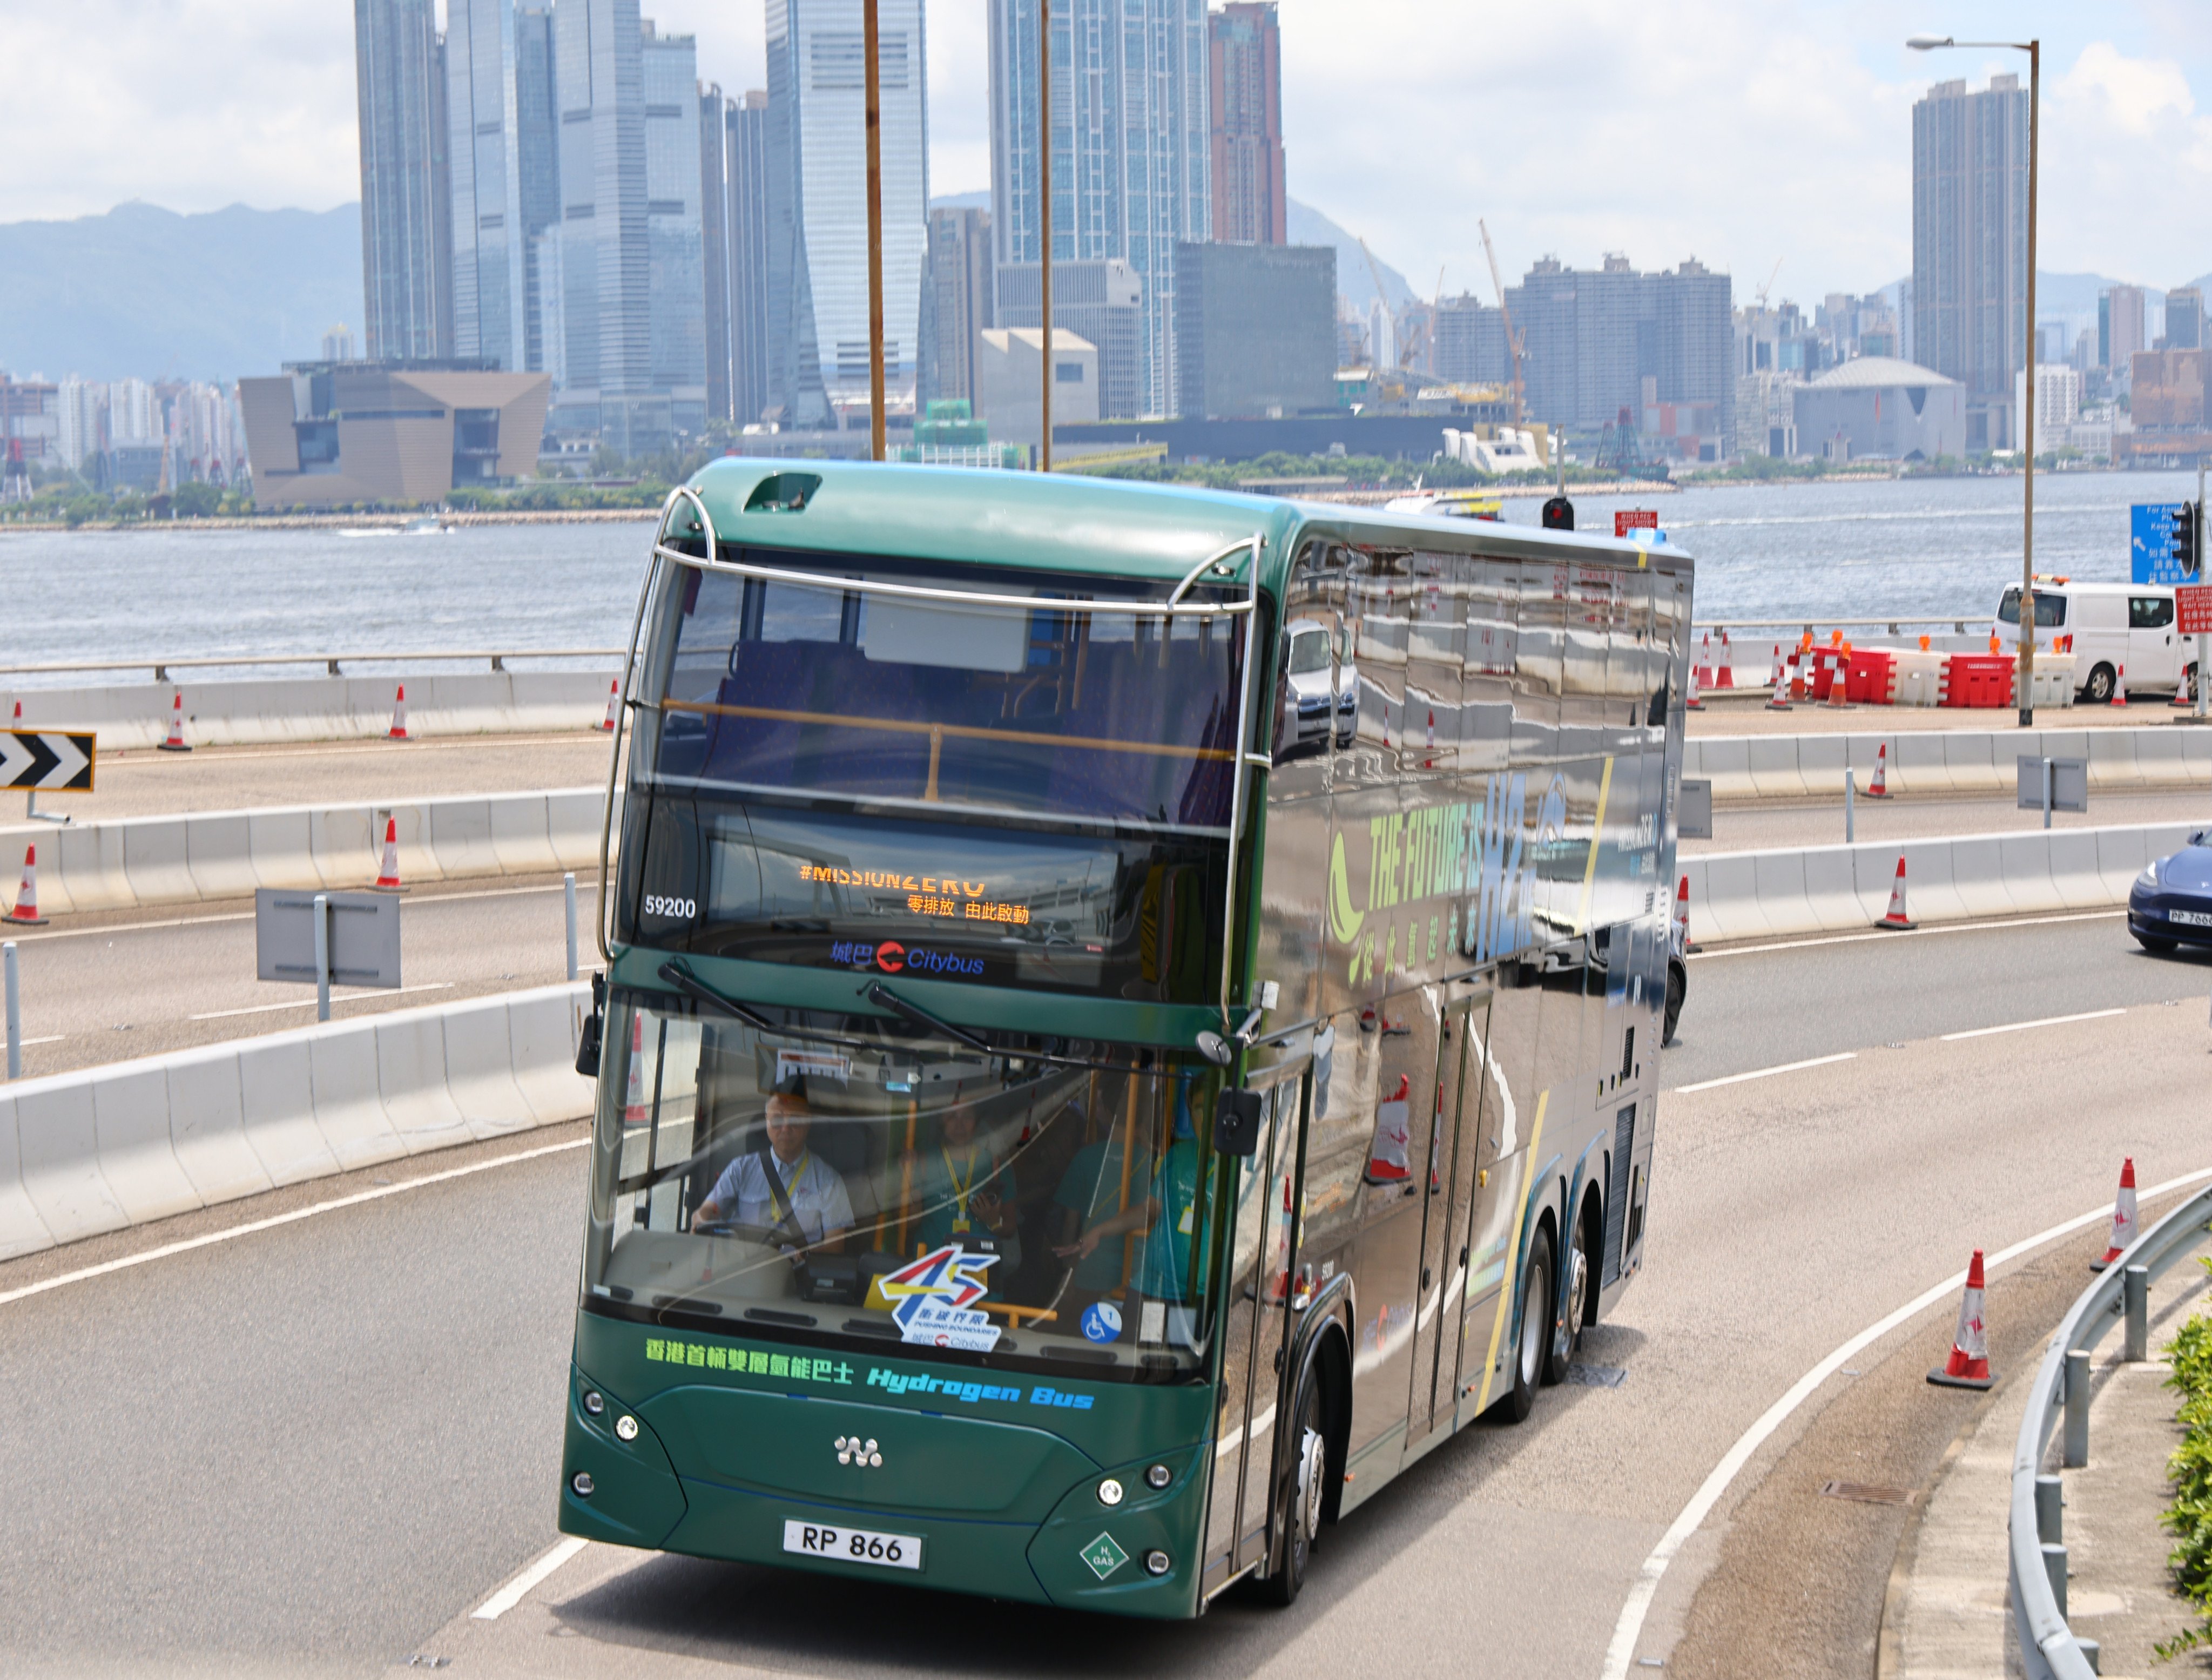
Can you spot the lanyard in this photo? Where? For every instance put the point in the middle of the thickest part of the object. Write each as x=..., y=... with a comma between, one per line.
x=960, y=1185
x=791, y=1175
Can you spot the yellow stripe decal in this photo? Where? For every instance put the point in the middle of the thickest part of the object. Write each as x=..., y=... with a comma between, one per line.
x=1597, y=837
x=1513, y=1246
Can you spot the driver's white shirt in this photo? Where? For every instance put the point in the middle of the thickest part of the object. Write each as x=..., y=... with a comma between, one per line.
x=817, y=1195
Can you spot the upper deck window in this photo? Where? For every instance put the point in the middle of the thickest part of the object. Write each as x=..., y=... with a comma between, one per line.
x=1108, y=717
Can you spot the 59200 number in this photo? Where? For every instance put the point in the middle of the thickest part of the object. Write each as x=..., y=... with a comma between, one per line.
x=685, y=909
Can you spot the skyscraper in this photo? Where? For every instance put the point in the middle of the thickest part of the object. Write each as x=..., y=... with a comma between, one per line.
x=486, y=151
x=1596, y=341
x=745, y=166
x=1132, y=151
x=1970, y=245
x=676, y=285
x=604, y=260
x=817, y=197
x=956, y=304
x=2185, y=318
x=400, y=85
x=715, y=242
x=2120, y=326
x=538, y=174
x=1244, y=48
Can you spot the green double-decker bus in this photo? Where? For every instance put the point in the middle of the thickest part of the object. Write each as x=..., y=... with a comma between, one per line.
x=1131, y=1014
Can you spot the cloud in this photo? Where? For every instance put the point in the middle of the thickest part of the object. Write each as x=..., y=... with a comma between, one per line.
x=2123, y=149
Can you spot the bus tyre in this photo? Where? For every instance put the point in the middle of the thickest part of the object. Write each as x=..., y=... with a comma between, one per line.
x=1568, y=1330
x=1531, y=1349
x=1300, y=1494
x=1678, y=988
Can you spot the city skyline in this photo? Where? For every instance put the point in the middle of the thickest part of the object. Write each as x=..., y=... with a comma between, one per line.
x=1819, y=93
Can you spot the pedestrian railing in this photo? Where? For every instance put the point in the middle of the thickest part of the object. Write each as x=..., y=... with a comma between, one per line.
x=330, y=662
x=2049, y=1648
x=1893, y=625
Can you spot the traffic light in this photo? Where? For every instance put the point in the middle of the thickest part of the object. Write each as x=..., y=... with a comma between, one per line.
x=2188, y=534
x=1559, y=514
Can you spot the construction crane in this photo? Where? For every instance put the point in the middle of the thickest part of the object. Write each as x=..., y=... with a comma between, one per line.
x=1505, y=315
x=1769, y=286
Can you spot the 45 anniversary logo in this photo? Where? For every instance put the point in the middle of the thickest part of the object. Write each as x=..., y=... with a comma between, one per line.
x=1454, y=878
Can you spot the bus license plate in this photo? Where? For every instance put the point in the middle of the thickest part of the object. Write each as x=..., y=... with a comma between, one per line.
x=2189, y=918
x=852, y=1545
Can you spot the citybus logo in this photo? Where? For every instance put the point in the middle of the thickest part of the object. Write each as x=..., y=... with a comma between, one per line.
x=891, y=956
x=894, y=958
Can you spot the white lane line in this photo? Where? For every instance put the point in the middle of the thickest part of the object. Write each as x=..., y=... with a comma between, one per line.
x=1622, y=1651
x=1765, y=1073
x=518, y=1589
x=1890, y=936
x=2023, y=1026
x=39, y=935
x=50, y=1038
x=309, y=1003
x=235, y=1232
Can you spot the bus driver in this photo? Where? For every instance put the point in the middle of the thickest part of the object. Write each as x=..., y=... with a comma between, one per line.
x=812, y=1192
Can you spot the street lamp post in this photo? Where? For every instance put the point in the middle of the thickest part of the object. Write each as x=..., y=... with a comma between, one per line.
x=2035, y=51
x=1044, y=230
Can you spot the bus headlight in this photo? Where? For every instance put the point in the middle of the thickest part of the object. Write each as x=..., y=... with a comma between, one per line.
x=1156, y=1562
x=582, y=1482
x=625, y=1427
x=1158, y=1475
x=1110, y=1492
x=592, y=1402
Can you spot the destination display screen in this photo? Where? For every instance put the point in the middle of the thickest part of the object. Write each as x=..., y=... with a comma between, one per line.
x=1127, y=916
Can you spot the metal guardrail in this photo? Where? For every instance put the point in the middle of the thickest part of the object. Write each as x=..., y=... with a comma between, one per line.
x=2048, y=1646
x=1893, y=626
x=330, y=662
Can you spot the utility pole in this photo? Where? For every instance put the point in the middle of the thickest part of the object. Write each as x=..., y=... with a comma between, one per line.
x=875, y=101
x=1044, y=227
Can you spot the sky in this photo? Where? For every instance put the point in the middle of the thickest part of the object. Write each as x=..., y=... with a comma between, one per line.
x=1761, y=137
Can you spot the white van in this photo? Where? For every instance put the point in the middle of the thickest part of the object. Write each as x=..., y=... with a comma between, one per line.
x=2108, y=625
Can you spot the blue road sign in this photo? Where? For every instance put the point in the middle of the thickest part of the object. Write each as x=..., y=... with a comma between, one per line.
x=2151, y=544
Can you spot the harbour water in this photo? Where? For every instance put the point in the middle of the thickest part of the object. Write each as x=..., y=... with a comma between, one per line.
x=1847, y=550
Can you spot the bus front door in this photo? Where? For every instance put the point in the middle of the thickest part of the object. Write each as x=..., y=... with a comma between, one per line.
x=1454, y=1160
x=1252, y=1321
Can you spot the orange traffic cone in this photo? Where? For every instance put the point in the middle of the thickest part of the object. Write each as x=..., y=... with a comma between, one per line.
x=633, y=1109
x=398, y=730
x=1726, y=678
x=2123, y=1217
x=1897, y=917
x=176, y=742
x=1968, y=1365
x=1702, y=667
x=1682, y=916
x=1879, y=787
x=1801, y=679
x=387, y=876
x=1839, y=686
x=26, y=912
x=614, y=698
x=1690, y=701
x=2120, y=687
x=2181, y=695
x=1779, y=700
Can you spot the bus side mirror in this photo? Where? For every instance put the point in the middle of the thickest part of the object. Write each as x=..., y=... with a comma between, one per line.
x=587, y=1041
x=1237, y=1122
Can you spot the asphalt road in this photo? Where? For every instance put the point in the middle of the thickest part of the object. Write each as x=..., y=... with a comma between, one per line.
x=105, y=988
x=318, y=1448
x=146, y=782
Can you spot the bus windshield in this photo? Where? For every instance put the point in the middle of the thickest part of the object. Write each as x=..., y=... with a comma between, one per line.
x=861, y=1187
x=1011, y=796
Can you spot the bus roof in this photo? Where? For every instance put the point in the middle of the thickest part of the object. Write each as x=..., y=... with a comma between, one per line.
x=1107, y=527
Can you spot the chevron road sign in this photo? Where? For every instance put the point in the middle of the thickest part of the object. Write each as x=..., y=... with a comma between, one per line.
x=49, y=760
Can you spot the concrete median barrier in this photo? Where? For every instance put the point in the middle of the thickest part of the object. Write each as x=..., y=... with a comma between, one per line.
x=1843, y=889
x=1975, y=762
x=138, y=863
x=254, y=710
x=102, y=1148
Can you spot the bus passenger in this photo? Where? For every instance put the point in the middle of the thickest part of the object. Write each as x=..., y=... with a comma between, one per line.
x=1168, y=1215
x=812, y=1196
x=964, y=1195
x=1092, y=1190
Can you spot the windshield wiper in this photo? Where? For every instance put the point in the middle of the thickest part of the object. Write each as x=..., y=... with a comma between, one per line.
x=883, y=998
x=678, y=973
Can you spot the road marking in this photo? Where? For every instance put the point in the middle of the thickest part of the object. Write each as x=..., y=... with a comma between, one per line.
x=1891, y=936
x=50, y=1038
x=166, y=1250
x=309, y=1003
x=42, y=934
x=2022, y=1026
x=1764, y=1073
x=518, y=1589
x=1621, y=1653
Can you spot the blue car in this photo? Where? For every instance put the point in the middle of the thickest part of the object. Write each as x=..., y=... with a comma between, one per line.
x=2170, y=903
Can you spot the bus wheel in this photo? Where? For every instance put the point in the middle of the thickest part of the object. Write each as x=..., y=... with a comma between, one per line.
x=1678, y=988
x=1561, y=1346
x=1300, y=1495
x=1528, y=1356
